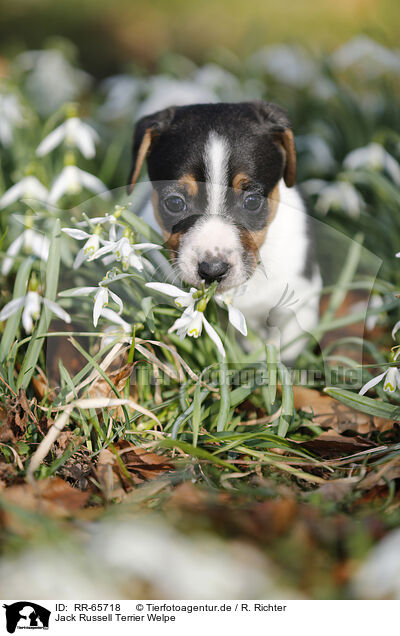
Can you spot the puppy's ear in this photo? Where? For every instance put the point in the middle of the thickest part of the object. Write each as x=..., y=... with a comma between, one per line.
x=146, y=132
x=279, y=127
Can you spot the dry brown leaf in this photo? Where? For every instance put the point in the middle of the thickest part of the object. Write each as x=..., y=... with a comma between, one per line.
x=141, y=464
x=331, y=444
x=52, y=496
x=119, y=377
x=329, y=413
x=107, y=475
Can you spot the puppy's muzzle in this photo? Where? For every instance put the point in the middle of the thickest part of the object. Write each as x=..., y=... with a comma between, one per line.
x=213, y=270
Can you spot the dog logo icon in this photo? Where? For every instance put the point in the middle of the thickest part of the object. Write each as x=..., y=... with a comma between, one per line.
x=26, y=615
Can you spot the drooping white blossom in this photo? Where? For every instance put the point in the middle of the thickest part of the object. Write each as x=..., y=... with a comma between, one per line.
x=391, y=379
x=11, y=117
x=32, y=242
x=27, y=188
x=101, y=299
x=75, y=133
x=72, y=180
x=31, y=304
x=124, y=252
x=375, y=157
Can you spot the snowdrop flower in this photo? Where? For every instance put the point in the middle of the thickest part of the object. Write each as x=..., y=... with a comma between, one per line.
x=220, y=81
x=366, y=54
x=11, y=116
x=101, y=294
x=89, y=249
x=125, y=252
x=112, y=219
x=375, y=157
x=181, y=298
x=192, y=320
x=31, y=309
x=165, y=91
x=289, y=64
x=71, y=180
x=27, y=188
x=52, y=80
x=391, y=378
x=75, y=133
x=122, y=95
x=191, y=324
x=338, y=195
x=112, y=316
x=235, y=316
x=319, y=158
x=33, y=242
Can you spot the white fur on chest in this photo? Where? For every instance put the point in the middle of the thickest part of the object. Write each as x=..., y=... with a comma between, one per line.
x=279, y=282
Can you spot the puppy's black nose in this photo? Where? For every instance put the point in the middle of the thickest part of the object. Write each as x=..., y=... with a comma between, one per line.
x=212, y=270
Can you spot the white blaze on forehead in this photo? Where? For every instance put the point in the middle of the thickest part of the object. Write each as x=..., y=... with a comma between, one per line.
x=216, y=161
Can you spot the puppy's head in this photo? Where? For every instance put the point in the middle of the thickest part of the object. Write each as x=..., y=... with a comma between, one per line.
x=215, y=170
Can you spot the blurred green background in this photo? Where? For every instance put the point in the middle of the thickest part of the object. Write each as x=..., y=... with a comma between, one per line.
x=110, y=36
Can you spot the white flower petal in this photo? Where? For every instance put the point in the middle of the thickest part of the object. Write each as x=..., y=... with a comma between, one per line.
x=11, y=308
x=76, y=234
x=12, y=194
x=93, y=184
x=372, y=383
x=117, y=300
x=27, y=321
x=32, y=310
x=57, y=310
x=39, y=244
x=167, y=289
x=51, y=141
x=390, y=383
x=134, y=261
x=395, y=329
x=237, y=319
x=214, y=336
x=112, y=316
x=183, y=321
x=61, y=184
x=100, y=300
x=146, y=246
x=12, y=251
x=85, y=141
x=194, y=328
x=108, y=247
x=79, y=259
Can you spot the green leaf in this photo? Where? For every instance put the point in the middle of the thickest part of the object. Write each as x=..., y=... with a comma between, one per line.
x=365, y=404
x=21, y=282
x=37, y=342
x=197, y=452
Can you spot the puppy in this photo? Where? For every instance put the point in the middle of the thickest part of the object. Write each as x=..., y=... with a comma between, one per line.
x=222, y=178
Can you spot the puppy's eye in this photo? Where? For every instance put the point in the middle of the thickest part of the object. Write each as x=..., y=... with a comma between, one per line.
x=175, y=203
x=252, y=202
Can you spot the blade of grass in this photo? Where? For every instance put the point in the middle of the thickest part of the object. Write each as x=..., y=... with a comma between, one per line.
x=21, y=283
x=365, y=404
x=36, y=344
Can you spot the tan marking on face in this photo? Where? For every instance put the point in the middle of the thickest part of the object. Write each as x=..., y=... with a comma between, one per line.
x=190, y=183
x=273, y=202
x=143, y=150
x=252, y=241
x=240, y=180
x=171, y=240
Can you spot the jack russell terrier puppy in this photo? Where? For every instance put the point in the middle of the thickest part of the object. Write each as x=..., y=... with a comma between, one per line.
x=222, y=177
